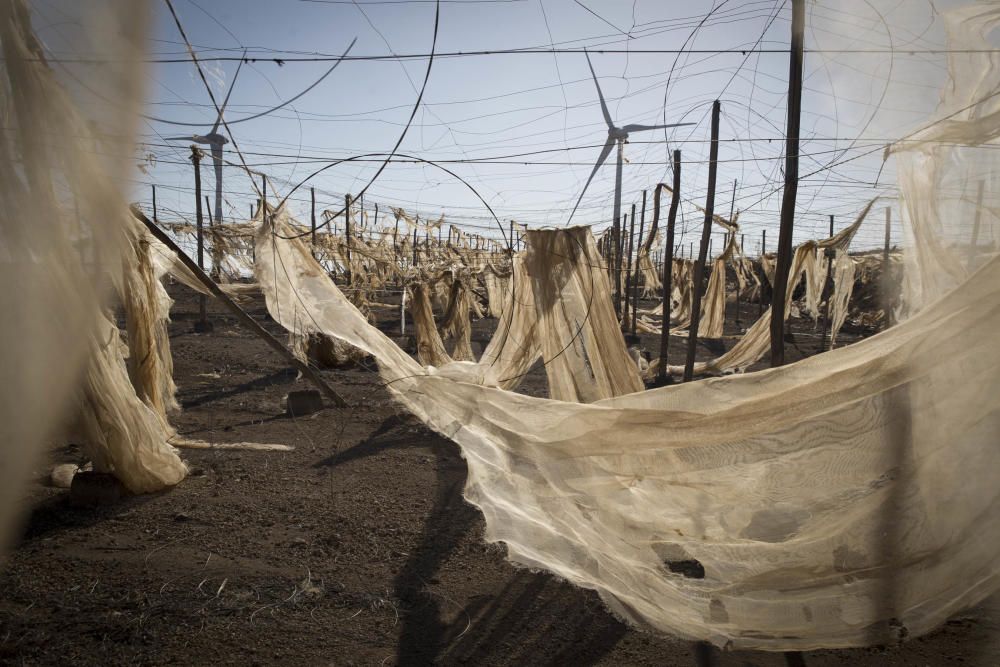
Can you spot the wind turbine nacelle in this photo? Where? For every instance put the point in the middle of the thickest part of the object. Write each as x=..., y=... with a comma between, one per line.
x=618, y=134
x=214, y=138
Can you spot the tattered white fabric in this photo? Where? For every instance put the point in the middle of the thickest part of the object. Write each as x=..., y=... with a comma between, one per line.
x=515, y=346
x=843, y=280
x=581, y=342
x=785, y=511
x=745, y=275
x=947, y=151
x=651, y=283
x=60, y=232
x=816, y=276
x=497, y=286
x=147, y=312
x=455, y=323
x=713, y=304
x=681, y=283
x=805, y=263
x=767, y=264
x=558, y=309
x=120, y=433
x=757, y=338
x=832, y=502
x=430, y=347
x=165, y=262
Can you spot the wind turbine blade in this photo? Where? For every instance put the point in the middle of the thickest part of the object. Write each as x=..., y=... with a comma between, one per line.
x=217, y=160
x=189, y=137
x=604, y=107
x=232, y=84
x=633, y=127
x=605, y=152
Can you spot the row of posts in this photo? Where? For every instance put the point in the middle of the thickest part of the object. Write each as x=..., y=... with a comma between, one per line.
x=626, y=301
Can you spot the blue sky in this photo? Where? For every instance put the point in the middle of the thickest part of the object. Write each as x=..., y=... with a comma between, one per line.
x=490, y=106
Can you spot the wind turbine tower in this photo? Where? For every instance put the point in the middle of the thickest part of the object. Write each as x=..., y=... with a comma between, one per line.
x=617, y=137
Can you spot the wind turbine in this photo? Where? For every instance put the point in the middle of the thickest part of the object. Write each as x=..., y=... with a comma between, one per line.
x=215, y=141
x=616, y=136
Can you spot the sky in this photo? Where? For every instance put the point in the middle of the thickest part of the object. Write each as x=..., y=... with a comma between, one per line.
x=524, y=129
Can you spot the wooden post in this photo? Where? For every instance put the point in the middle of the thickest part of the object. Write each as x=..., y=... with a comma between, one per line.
x=760, y=296
x=312, y=217
x=972, y=243
x=619, y=251
x=886, y=282
x=826, y=294
x=415, y=260
x=511, y=240
x=635, y=278
x=784, y=263
x=668, y=262
x=216, y=259
x=202, y=324
x=402, y=313
x=742, y=241
x=732, y=203
x=725, y=245
x=628, y=269
x=706, y=234
x=828, y=286
x=240, y=313
x=347, y=237
x=262, y=210
x=156, y=220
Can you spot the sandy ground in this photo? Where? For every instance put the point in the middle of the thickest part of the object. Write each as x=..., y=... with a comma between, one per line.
x=355, y=549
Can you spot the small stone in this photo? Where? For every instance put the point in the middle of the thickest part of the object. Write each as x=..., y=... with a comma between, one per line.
x=62, y=475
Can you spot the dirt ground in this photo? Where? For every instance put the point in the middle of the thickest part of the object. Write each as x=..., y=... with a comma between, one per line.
x=355, y=549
